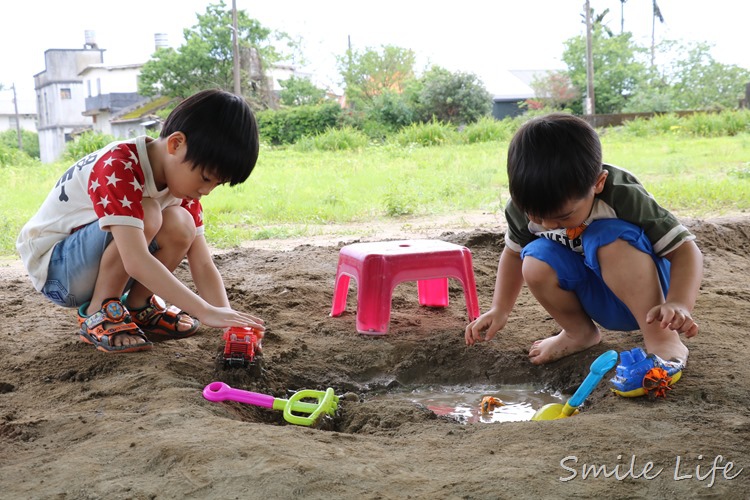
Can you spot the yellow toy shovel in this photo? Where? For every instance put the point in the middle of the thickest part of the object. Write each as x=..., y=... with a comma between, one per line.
x=601, y=365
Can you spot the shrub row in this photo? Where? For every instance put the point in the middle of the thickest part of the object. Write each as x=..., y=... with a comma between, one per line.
x=288, y=125
x=725, y=123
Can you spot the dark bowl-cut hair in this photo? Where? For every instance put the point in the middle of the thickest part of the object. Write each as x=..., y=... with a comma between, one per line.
x=552, y=160
x=221, y=134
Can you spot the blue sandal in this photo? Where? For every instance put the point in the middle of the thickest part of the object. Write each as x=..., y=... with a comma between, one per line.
x=641, y=374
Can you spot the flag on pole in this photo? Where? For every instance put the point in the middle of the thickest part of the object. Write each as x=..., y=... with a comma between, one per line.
x=657, y=12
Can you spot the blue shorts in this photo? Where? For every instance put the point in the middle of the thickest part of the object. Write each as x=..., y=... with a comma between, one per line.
x=74, y=266
x=581, y=273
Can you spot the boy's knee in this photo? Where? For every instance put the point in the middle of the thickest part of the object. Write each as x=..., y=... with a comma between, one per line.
x=614, y=249
x=177, y=227
x=619, y=251
x=537, y=273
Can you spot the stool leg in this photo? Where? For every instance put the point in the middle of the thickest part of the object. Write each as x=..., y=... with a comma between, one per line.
x=373, y=303
x=340, y=291
x=470, y=286
x=433, y=293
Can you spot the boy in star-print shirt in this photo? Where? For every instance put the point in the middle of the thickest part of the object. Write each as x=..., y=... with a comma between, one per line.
x=120, y=220
x=594, y=248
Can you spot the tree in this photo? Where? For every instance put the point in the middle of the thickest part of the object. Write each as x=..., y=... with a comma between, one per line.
x=300, y=92
x=391, y=111
x=618, y=69
x=205, y=59
x=371, y=72
x=457, y=98
x=691, y=79
x=554, y=90
x=700, y=82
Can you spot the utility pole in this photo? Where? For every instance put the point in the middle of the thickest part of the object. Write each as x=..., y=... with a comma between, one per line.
x=18, y=118
x=588, y=104
x=235, y=51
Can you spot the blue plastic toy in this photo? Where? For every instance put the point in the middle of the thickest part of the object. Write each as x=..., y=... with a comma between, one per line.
x=640, y=374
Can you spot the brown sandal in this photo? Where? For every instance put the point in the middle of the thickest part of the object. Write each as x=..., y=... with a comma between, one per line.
x=114, y=314
x=160, y=322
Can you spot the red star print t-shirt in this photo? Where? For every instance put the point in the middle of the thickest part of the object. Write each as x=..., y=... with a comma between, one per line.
x=116, y=187
x=108, y=185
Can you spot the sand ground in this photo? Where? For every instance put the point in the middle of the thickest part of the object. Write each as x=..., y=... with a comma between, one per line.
x=79, y=424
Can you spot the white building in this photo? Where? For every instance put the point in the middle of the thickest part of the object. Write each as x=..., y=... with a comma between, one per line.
x=26, y=113
x=109, y=89
x=61, y=97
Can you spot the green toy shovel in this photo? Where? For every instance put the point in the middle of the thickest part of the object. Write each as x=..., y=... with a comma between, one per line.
x=296, y=411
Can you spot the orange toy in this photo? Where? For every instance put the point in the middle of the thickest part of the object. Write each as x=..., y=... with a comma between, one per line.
x=656, y=383
x=489, y=403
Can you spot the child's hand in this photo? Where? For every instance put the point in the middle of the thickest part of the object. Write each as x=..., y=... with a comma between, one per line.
x=674, y=316
x=488, y=323
x=224, y=317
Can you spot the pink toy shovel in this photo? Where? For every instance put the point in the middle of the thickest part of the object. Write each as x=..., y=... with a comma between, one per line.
x=327, y=402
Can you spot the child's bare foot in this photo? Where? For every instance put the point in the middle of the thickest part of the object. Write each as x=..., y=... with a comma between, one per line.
x=561, y=345
x=667, y=346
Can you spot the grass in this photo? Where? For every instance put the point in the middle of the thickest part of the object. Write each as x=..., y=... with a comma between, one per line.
x=293, y=192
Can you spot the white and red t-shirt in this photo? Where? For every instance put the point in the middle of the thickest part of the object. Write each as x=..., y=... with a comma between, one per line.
x=108, y=185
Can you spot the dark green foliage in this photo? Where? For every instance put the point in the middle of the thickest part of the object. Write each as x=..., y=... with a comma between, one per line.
x=29, y=140
x=391, y=109
x=456, y=98
x=300, y=92
x=206, y=58
x=86, y=143
x=13, y=157
x=286, y=126
x=617, y=69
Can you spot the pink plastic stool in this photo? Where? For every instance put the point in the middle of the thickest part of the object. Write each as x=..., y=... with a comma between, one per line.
x=379, y=266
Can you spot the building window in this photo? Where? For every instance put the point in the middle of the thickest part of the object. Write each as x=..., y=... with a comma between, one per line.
x=65, y=93
x=12, y=122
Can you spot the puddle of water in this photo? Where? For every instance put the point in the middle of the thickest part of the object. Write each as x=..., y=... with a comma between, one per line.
x=463, y=402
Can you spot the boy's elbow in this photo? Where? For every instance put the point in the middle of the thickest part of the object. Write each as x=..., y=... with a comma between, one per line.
x=695, y=252
x=687, y=255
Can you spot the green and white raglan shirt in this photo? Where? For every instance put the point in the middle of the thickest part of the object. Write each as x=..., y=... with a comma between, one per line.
x=623, y=197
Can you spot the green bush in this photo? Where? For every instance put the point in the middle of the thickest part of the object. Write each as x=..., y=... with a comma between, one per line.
x=13, y=157
x=667, y=123
x=488, y=129
x=334, y=139
x=29, y=141
x=86, y=143
x=717, y=124
x=287, y=125
x=391, y=110
x=458, y=98
x=433, y=133
x=399, y=200
x=725, y=123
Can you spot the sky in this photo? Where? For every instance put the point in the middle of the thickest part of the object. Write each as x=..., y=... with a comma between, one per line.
x=483, y=37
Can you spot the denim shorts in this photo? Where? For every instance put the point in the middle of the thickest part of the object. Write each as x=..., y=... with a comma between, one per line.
x=582, y=275
x=74, y=266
